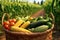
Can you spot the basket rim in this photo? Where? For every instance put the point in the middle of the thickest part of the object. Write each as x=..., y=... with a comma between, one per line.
x=36, y=33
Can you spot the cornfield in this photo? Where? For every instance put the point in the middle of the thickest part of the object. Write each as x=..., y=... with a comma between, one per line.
x=17, y=8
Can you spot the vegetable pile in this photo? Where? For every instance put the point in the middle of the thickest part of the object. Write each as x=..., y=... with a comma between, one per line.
x=28, y=24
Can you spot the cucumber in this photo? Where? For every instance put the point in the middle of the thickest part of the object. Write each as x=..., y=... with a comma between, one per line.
x=34, y=20
x=50, y=19
x=35, y=24
x=40, y=28
x=40, y=17
x=44, y=19
x=49, y=24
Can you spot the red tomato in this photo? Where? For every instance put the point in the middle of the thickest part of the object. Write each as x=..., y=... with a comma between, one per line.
x=7, y=27
x=12, y=23
x=10, y=20
x=6, y=23
x=14, y=20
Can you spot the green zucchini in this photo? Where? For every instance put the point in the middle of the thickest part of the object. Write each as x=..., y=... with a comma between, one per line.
x=40, y=28
x=38, y=23
x=40, y=17
x=44, y=19
x=35, y=24
x=49, y=24
x=50, y=19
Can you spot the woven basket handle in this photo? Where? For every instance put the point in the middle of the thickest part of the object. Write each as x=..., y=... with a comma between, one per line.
x=53, y=17
x=5, y=14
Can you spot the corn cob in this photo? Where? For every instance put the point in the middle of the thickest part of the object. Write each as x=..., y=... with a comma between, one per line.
x=18, y=23
x=25, y=24
x=17, y=29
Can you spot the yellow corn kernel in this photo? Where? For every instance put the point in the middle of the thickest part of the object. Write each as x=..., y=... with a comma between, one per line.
x=17, y=29
x=25, y=24
x=18, y=23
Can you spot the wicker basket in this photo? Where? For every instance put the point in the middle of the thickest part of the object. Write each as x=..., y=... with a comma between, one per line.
x=47, y=35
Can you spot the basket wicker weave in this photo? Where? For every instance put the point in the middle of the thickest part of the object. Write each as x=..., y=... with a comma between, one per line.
x=47, y=35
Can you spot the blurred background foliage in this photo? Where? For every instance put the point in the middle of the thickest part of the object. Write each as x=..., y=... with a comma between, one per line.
x=54, y=7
